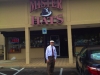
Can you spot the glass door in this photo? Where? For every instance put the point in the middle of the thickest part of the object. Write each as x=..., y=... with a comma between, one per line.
x=57, y=43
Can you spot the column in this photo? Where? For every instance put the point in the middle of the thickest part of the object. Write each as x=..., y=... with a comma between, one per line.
x=27, y=45
x=70, y=52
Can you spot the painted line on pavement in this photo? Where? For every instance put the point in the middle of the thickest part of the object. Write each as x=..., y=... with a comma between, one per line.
x=17, y=70
x=2, y=73
x=61, y=70
x=14, y=69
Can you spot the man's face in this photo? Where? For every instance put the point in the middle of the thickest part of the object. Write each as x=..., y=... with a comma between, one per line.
x=52, y=43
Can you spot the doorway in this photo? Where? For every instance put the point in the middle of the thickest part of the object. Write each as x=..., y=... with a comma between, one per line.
x=63, y=46
x=1, y=52
x=57, y=43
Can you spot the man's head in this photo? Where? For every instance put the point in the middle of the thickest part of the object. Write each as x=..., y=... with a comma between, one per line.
x=51, y=42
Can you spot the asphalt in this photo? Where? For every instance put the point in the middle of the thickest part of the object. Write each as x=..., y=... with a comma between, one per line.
x=37, y=71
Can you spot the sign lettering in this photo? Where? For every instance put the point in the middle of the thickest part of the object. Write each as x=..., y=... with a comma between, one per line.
x=50, y=20
x=37, y=4
x=46, y=13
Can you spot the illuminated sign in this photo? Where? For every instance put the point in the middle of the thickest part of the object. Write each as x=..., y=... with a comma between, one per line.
x=14, y=40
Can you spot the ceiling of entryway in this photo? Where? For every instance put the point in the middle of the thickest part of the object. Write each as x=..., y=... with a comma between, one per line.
x=35, y=28
x=12, y=29
x=86, y=26
x=50, y=27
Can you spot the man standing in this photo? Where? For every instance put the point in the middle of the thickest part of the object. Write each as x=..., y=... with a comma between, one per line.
x=51, y=56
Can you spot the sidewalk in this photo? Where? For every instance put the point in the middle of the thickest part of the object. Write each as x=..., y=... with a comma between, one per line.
x=60, y=62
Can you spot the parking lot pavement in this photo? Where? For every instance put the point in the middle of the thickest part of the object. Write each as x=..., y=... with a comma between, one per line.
x=37, y=71
x=70, y=71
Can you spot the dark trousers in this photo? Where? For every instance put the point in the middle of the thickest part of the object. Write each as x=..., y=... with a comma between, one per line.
x=50, y=65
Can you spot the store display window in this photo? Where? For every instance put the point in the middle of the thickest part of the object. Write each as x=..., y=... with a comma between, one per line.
x=37, y=42
x=81, y=40
x=14, y=45
x=87, y=39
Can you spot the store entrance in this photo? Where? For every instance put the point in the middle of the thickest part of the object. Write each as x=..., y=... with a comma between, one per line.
x=61, y=42
x=57, y=43
x=63, y=46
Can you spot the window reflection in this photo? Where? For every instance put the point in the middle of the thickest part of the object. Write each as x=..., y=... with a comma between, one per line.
x=87, y=39
x=81, y=40
x=14, y=45
x=37, y=41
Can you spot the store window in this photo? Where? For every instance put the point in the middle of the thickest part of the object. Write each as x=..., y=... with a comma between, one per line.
x=87, y=39
x=22, y=42
x=81, y=40
x=14, y=45
x=93, y=39
x=37, y=41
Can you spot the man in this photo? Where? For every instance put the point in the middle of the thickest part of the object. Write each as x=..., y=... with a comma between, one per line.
x=51, y=56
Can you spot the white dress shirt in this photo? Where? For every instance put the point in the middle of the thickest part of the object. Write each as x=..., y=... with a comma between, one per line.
x=49, y=52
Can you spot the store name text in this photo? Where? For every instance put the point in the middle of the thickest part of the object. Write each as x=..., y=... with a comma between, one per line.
x=37, y=4
x=46, y=14
x=47, y=20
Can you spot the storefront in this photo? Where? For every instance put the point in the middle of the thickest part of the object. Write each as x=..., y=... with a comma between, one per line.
x=16, y=42
x=71, y=24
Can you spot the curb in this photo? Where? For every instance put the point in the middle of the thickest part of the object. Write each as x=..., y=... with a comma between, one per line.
x=1, y=67
x=35, y=66
x=10, y=67
x=6, y=67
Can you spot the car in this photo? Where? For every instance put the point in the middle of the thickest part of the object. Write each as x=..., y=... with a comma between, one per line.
x=88, y=60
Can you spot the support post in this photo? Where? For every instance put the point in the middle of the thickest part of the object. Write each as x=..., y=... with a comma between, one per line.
x=70, y=52
x=27, y=45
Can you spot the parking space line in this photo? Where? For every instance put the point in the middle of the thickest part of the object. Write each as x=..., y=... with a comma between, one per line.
x=61, y=70
x=14, y=69
x=2, y=73
x=17, y=70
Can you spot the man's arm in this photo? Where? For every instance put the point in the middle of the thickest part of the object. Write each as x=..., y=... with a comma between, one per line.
x=46, y=54
x=55, y=53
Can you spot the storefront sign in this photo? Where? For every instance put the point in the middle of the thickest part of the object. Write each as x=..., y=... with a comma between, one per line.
x=46, y=14
x=47, y=20
x=14, y=40
x=37, y=4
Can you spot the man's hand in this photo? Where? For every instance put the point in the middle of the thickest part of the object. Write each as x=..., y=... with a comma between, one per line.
x=47, y=61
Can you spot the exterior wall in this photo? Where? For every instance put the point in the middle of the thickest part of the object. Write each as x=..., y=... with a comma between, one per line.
x=84, y=11
x=37, y=53
x=17, y=55
x=15, y=14
x=34, y=53
x=77, y=49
